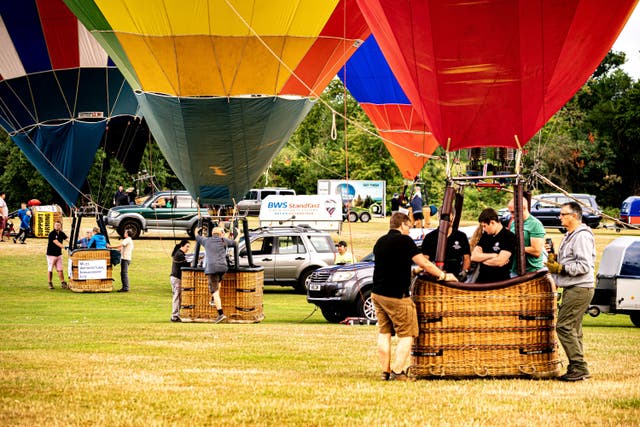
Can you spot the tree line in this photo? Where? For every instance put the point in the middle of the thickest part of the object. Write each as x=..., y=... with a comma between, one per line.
x=589, y=146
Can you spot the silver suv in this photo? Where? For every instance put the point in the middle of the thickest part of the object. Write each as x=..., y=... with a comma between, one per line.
x=164, y=210
x=288, y=254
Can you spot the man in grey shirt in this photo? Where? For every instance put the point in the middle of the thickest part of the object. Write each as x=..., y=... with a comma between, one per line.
x=573, y=271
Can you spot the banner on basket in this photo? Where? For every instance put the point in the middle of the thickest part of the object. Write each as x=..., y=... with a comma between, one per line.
x=92, y=269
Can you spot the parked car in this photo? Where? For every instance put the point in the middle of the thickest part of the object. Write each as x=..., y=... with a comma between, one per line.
x=504, y=216
x=288, y=254
x=341, y=291
x=252, y=201
x=164, y=210
x=546, y=207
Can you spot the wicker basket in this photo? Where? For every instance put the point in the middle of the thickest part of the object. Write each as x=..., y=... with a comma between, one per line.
x=241, y=292
x=499, y=329
x=104, y=284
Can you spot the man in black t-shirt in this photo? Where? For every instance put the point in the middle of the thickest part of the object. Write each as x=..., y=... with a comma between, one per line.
x=494, y=250
x=54, y=253
x=395, y=253
x=457, y=254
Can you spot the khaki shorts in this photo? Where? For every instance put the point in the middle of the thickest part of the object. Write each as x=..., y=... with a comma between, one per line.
x=396, y=314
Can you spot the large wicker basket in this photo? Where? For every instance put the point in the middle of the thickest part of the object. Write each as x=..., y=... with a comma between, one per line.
x=241, y=292
x=500, y=329
x=101, y=284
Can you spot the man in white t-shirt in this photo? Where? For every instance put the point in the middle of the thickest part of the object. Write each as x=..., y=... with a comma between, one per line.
x=126, y=249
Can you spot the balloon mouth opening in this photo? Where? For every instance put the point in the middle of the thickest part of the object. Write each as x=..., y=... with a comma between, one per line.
x=139, y=92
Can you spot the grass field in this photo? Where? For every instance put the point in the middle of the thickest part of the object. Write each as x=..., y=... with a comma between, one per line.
x=115, y=359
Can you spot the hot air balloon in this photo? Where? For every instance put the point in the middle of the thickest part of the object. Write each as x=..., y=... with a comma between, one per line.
x=223, y=84
x=370, y=80
x=492, y=73
x=58, y=91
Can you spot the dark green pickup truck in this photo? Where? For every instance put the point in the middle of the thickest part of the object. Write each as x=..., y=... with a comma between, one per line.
x=164, y=210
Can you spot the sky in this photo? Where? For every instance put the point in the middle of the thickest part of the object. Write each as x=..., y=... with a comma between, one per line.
x=629, y=42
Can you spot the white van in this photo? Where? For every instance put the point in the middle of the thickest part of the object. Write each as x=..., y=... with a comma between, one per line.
x=252, y=201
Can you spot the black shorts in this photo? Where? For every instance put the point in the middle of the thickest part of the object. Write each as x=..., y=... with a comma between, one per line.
x=417, y=215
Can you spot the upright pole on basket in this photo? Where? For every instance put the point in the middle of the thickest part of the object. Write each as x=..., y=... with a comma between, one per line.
x=521, y=263
x=75, y=226
x=458, y=210
x=445, y=220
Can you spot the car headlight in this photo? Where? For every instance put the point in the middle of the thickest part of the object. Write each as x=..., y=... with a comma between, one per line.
x=114, y=214
x=343, y=276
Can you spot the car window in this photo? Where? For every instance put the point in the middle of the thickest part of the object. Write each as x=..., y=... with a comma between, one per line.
x=267, y=193
x=368, y=258
x=631, y=263
x=185, y=202
x=262, y=246
x=322, y=244
x=251, y=195
x=290, y=245
x=287, y=193
x=163, y=202
x=547, y=203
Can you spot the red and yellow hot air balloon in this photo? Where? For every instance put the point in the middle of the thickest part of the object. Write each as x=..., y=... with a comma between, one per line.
x=224, y=83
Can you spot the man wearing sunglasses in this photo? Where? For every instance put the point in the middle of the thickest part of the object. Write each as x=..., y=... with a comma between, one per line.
x=573, y=271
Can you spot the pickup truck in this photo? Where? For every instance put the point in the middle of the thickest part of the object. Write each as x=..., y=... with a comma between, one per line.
x=164, y=210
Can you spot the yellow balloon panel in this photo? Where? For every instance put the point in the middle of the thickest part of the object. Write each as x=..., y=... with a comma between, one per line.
x=214, y=66
x=302, y=18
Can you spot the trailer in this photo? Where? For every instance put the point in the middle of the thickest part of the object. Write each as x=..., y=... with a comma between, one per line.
x=618, y=280
x=630, y=211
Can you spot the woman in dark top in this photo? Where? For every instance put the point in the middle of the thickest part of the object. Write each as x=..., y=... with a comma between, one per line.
x=179, y=261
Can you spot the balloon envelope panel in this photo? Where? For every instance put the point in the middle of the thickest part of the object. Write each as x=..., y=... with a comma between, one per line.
x=492, y=73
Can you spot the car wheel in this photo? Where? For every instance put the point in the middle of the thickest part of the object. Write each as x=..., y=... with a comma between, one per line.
x=301, y=286
x=353, y=217
x=205, y=230
x=132, y=226
x=635, y=319
x=365, y=306
x=332, y=315
x=365, y=217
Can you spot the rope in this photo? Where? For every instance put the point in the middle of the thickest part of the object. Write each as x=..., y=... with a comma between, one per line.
x=315, y=95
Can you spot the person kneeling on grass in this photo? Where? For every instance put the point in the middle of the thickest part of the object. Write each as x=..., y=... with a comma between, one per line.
x=215, y=248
